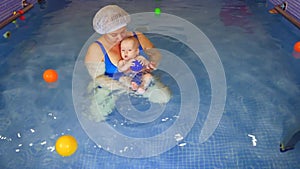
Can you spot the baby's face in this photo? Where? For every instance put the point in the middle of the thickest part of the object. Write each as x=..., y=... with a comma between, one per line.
x=128, y=51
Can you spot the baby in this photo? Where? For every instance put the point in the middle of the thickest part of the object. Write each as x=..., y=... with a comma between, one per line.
x=133, y=65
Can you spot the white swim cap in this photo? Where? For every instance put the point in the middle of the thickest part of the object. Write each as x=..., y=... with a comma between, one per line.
x=109, y=19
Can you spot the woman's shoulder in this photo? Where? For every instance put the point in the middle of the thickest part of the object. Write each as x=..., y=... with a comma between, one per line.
x=94, y=47
x=144, y=41
x=139, y=34
x=94, y=52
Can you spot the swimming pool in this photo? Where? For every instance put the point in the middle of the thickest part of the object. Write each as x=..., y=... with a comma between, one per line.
x=254, y=47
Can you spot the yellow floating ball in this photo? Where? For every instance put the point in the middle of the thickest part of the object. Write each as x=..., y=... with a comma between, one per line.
x=66, y=145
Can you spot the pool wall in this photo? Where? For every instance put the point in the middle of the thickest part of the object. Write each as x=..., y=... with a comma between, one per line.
x=293, y=7
x=7, y=7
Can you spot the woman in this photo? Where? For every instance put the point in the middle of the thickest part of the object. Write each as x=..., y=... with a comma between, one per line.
x=102, y=59
x=103, y=56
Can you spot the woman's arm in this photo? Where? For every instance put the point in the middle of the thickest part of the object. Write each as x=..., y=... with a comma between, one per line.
x=124, y=65
x=95, y=65
x=108, y=83
x=154, y=57
x=150, y=50
x=94, y=61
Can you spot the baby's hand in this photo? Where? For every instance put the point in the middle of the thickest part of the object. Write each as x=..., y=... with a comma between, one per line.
x=143, y=61
x=132, y=62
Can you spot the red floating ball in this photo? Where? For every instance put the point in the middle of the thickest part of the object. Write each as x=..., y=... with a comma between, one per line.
x=22, y=18
x=21, y=12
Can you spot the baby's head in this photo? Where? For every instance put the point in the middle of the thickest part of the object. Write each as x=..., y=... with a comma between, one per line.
x=129, y=48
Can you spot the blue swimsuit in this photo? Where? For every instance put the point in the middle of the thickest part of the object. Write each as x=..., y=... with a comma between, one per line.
x=110, y=69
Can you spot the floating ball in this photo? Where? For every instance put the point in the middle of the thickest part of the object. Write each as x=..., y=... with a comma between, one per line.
x=66, y=145
x=6, y=34
x=21, y=12
x=157, y=11
x=297, y=47
x=137, y=66
x=50, y=76
x=22, y=17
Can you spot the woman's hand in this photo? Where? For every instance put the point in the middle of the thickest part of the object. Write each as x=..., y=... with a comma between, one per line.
x=151, y=66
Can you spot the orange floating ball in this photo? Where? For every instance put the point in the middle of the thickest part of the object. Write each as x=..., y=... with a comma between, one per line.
x=50, y=76
x=66, y=145
x=297, y=47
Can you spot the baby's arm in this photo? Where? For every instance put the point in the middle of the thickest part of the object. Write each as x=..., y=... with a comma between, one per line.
x=124, y=65
x=146, y=63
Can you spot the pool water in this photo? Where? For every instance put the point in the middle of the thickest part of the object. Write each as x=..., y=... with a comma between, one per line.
x=254, y=47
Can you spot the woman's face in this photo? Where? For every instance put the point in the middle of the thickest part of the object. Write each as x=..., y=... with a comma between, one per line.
x=116, y=36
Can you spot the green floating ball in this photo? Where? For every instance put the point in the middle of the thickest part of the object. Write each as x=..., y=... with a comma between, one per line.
x=157, y=11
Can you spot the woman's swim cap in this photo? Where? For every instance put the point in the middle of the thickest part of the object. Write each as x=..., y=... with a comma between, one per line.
x=109, y=19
